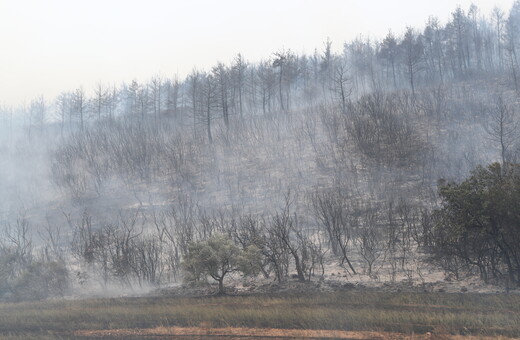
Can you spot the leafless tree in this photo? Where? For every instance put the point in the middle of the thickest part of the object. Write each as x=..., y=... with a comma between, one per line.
x=503, y=127
x=239, y=70
x=221, y=75
x=100, y=98
x=37, y=113
x=412, y=48
x=332, y=210
x=369, y=238
x=498, y=18
x=79, y=105
x=342, y=87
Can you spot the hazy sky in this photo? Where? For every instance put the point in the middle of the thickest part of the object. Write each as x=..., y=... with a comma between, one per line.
x=49, y=46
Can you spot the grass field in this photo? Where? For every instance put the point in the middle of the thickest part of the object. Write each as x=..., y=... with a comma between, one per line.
x=404, y=313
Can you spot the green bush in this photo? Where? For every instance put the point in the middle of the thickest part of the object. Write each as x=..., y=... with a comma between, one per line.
x=34, y=281
x=478, y=225
x=217, y=257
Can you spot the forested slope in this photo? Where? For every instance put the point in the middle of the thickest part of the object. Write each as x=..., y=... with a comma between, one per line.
x=310, y=159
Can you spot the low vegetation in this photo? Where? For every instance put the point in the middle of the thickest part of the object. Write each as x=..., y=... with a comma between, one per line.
x=467, y=314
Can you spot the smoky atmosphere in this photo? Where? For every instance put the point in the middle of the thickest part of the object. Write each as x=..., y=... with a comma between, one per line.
x=341, y=169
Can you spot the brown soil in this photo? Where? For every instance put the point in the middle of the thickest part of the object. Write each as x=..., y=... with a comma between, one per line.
x=257, y=333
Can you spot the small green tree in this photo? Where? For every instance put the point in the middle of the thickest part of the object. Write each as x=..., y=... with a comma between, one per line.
x=217, y=257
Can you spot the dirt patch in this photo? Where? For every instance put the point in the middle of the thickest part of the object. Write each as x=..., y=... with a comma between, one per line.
x=293, y=287
x=261, y=333
x=272, y=288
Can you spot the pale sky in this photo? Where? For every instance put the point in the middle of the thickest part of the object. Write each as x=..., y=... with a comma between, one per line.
x=49, y=46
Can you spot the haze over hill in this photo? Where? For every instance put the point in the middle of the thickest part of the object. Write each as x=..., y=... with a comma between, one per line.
x=54, y=46
x=298, y=166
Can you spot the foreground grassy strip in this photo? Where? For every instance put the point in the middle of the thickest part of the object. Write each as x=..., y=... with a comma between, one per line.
x=469, y=314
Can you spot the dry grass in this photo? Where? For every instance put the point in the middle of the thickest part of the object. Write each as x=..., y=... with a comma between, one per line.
x=405, y=313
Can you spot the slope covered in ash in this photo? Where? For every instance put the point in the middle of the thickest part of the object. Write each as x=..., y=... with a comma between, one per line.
x=319, y=161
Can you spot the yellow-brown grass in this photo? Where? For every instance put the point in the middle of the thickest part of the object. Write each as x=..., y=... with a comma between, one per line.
x=405, y=313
